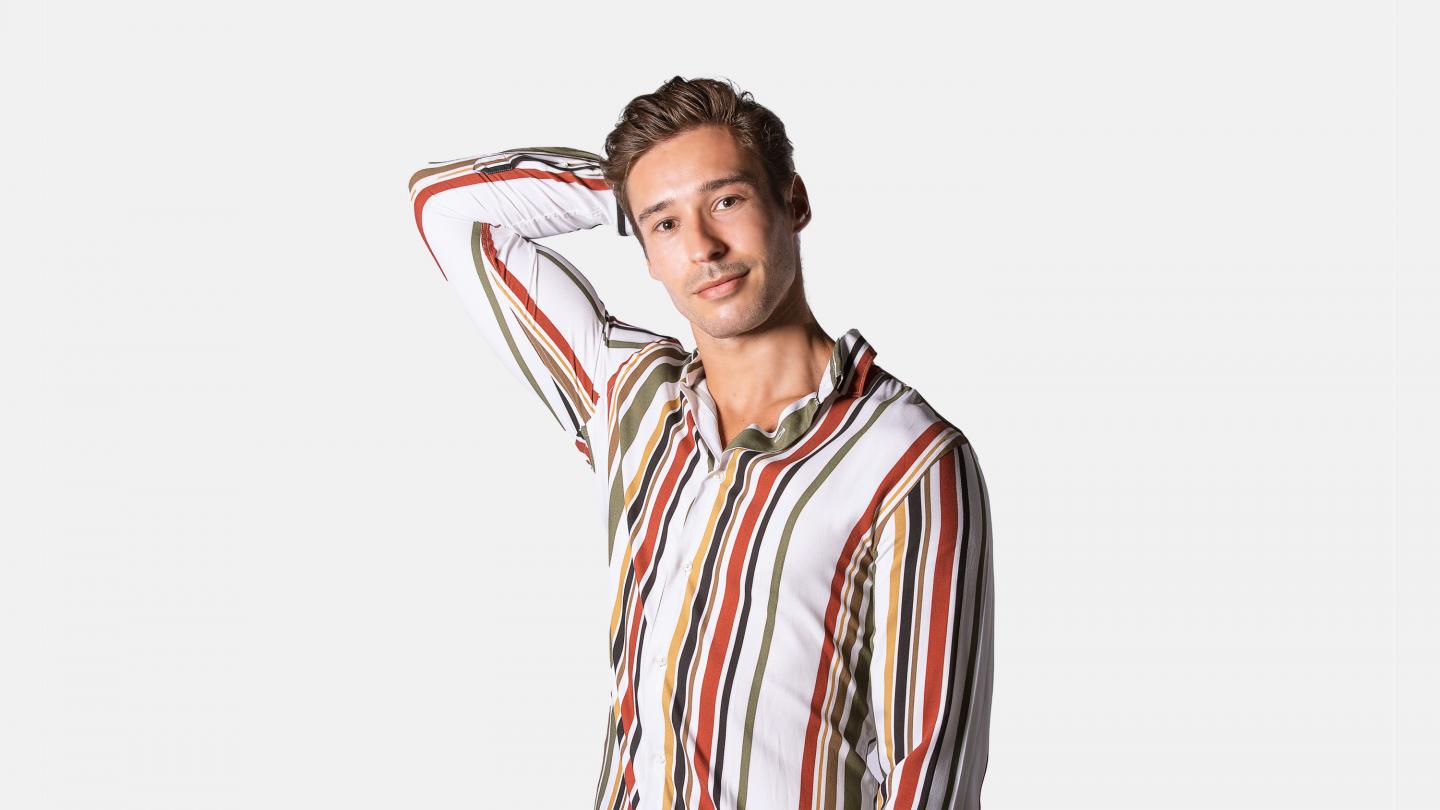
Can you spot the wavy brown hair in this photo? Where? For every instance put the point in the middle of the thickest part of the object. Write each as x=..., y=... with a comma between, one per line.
x=682, y=104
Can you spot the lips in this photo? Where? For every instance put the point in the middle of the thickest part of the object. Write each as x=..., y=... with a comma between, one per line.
x=721, y=286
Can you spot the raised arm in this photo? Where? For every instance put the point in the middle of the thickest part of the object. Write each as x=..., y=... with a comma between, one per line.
x=480, y=217
x=932, y=639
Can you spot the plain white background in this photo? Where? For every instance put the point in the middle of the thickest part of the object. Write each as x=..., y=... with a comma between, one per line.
x=269, y=535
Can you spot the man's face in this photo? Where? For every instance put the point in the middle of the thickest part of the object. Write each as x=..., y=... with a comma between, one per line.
x=704, y=214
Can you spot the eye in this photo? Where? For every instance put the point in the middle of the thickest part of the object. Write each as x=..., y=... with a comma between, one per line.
x=731, y=197
x=662, y=222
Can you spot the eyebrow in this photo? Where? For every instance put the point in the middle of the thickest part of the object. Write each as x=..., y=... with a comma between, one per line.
x=707, y=186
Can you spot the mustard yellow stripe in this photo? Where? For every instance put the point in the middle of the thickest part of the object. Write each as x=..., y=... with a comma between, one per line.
x=943, y=443
x=830, y=740
x=632, y=487
x=617, y=776
x=546, y=348
x=918, y=627
x=562, y=374
x=677, y=640
x=850, y=637
x=626, y=380
x=892, y=618
x=436, y=174
x=631, y=491
x=616, y=611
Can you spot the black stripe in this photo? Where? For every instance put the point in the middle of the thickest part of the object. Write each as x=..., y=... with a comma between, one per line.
x=842, y=433
x=693, y=633
x=915, y=506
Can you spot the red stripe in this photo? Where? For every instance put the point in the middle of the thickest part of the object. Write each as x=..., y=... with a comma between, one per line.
x=488, y=245
x=475, y=177
x=832, y=609
x=513, y=283
x=935, y=658
x=630, y=779
x=641, y=565
x=729, y=605
x=862, y=370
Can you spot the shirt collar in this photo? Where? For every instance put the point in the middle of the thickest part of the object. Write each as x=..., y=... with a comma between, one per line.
x=845, y=373
x=850, y=362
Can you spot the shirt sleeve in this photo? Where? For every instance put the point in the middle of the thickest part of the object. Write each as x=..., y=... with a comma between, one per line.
x=480, y=218
x=932, y=662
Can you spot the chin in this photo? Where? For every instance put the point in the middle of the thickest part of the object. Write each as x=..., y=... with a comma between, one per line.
x=727, y=327
x=750, y=309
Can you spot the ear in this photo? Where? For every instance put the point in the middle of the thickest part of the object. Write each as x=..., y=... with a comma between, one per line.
x=799, y=203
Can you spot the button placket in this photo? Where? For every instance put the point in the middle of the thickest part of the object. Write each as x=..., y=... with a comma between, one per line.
x=704, y=492
x=680, y=548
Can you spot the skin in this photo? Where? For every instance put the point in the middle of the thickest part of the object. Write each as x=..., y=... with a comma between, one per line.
x=761, y=345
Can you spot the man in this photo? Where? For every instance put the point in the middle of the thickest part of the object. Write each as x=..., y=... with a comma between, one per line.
x=799, y=544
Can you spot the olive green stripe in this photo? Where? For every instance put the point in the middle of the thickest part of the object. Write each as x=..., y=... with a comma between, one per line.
x=617, y=508
x=784, y=546
x=657, y=375
x=556, y=369
x=791, y=428
x=564, y=151
x=624, y=431
x=609, y=759
x=477, y=249
x=856, y=726
x=590, y=453
x=434, y=170
x=794, y=425
x=853, y=687
x=644, y=365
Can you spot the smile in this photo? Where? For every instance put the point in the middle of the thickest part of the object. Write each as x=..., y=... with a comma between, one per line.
x=723, y=289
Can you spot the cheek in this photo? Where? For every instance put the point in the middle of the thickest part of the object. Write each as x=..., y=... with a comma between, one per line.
x=674, y=285
x=664, y=263
x=663, y=267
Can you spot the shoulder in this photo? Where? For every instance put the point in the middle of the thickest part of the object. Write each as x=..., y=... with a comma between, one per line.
x=905, y=415
x=910, y=436
x=654, y=359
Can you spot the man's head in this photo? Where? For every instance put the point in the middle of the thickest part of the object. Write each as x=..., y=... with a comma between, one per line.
x=706, y=178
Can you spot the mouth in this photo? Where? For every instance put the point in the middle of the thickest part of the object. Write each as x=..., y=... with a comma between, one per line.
x=722, y=288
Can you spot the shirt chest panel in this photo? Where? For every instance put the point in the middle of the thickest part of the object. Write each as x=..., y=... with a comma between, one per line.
x=754, y=538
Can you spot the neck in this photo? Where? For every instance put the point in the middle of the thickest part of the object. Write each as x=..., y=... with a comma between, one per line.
x=768, y=367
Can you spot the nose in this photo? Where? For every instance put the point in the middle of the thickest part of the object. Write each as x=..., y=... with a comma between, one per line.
x=703, y=244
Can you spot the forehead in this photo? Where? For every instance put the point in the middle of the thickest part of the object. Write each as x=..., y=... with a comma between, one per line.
x=676, y=167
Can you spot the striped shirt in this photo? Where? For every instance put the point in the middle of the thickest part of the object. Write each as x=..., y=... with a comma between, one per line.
x=802, y=617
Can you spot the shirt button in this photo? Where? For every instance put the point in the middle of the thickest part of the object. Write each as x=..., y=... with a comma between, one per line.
x=685, y=566
x=660, y=661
